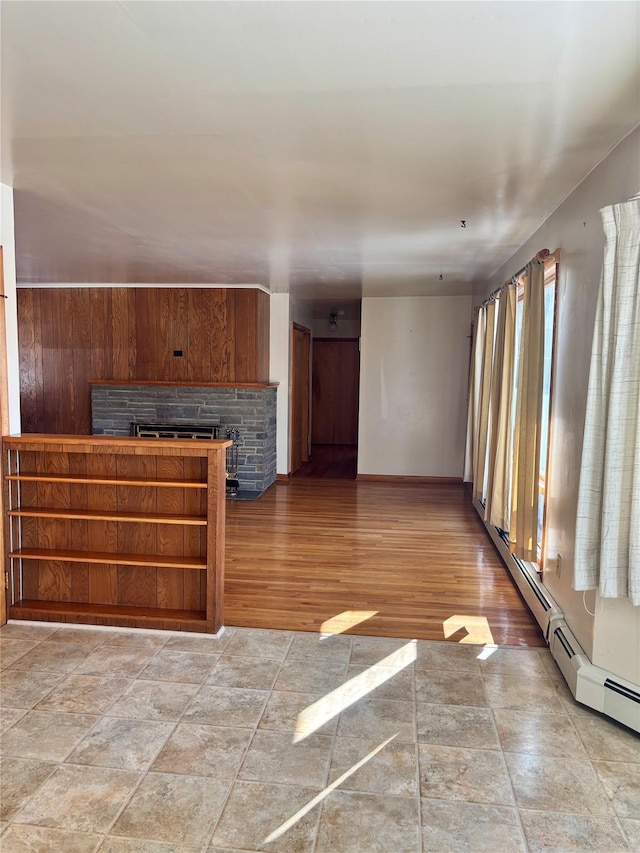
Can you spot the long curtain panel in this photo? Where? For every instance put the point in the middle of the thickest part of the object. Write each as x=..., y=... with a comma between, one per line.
x=525, y=474
x=482, y=419
x=475, y=369
x=607, y=546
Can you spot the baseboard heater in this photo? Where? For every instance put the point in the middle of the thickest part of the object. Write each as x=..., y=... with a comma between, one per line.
x=592, y=686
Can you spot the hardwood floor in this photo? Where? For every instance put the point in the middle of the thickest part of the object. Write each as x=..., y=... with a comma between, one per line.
x=386, y=559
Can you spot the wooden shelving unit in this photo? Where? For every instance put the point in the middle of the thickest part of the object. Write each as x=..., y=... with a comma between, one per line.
x=115, y=531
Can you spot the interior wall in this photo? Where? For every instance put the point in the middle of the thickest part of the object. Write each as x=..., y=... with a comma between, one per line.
x=612, y=638
x=413, y=383
x=347, y=325
x=7, y=240
x=70, y=335
x=279, y=372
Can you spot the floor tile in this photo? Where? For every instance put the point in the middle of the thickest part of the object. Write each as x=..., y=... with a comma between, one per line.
x=154, y=700
x=456, y=725
x=368, y=823
x=450, y=688
x=141, y=845
x=188, y=667
x=116, y=661
x=248, y=672
x=203, y=645
x=22, y=689
x=538, y=733
x=525, y=663
x=521, y=694
x=259, y=643
x=26, y=632
x=369, y=651
x=622, y=786
x=9, y=716
x=49, y=656
x=168, y=807
x=204, y=751
x=551, y=784
x=606, y=740
x=391, y=770
x=272, y=757
x=384, y=682
x=226, y=706
x=569, y=704
x=547, y=832
x=453, y=827
x=20, y=777
x=42, y=839
x=305, y=713
x=378, y=719
x=256, y=812
x=79, y=798
x=122, y=744
x=13, y=650
x=88, y=637
x=46, y=735
x=143, y=642
x=551, y=667
x=454, y=657
x=631, y=829
x=471, y=775
x=299, y=677
x=314, y=647
x=84, y=694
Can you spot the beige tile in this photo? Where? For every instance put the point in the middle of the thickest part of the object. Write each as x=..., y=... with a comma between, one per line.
x=378, y=719
x=84, y=694
x=256, y=811
x=552, y=784
x=53, y=657
x=20, y=779
x=526, y=663
x=283, y=713
x=23, y=689
x=299, y=677
x=167, y=807
x=631, y=829
x=450, y=827
x=471, y=775
x=392, y=770
x=383, y=682
x=226, y=706
x=521, y=694
x=314, y=647
x=42, y=839
x=228, y=850
x=239, y=671
x=569, y=704
x=13, y=650
x=450, y=688
x=142, y=845
x=538, y=733
x=143, y=642
x=122, y=744
x=368, y=651
x=551, y=667
x=46, y=735
x=622, y=786
x=456, y=725
x=187, y=667
x=88, y=637
x=204, y=751
x=9, y=716
x=115, y=661
x=454, y=657
x=26, y=632
x=606, y=740
x=272, y=757
x=367, y=823
x=203, y=645
x=561, y=833
x=79, y=798
x=259, y=643
x=154, y=700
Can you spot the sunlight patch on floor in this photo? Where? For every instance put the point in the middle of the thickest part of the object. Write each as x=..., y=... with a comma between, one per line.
x=325, y=793
x=329, y=706
x=477, y=628
x=345, y=620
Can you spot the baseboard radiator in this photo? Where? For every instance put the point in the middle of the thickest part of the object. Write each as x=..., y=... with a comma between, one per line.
x=592, y=686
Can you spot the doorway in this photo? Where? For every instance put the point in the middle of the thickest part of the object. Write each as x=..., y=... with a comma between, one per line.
x=300, y=372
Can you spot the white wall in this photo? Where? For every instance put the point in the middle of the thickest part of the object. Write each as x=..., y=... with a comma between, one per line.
x=7, y=240
x=612, y=638
x=413, y=384
x=279, y=326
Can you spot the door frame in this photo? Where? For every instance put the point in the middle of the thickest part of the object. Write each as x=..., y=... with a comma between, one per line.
x=299, y=396
x=4, y=429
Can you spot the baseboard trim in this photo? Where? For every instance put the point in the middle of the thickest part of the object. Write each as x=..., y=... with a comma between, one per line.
x=283, y=479
x=395, y=478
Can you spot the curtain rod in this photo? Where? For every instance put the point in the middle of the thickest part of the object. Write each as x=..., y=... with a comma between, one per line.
x=542, y=257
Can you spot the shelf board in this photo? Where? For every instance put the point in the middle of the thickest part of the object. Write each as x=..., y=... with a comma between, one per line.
x=94, y=480
x=103, y=515
x=110, y=614
x=160, y=561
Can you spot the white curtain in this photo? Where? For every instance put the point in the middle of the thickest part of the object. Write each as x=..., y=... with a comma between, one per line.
x=607, y=547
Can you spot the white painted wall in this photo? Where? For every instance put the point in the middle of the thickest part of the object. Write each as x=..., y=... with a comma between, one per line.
x=7, y=240
x=413, y=385
x=279, y=326
x=612, y=638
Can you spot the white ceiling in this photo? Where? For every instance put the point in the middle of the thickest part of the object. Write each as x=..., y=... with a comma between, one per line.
x=329, y=149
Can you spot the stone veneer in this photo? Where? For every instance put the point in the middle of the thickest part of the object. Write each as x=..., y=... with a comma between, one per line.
x=250, y=410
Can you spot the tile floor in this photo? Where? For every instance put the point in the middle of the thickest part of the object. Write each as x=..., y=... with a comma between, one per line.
x=271, y=740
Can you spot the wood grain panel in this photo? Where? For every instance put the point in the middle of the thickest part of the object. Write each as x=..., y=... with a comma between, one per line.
x=136, y=585
x=336, y=380
x=262, y=336
x=170, y=537
x=103, y=580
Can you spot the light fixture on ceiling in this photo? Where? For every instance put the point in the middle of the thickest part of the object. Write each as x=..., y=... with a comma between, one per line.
x=333, y=320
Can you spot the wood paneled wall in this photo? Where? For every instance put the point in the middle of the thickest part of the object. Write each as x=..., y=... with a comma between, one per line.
x=70, y=335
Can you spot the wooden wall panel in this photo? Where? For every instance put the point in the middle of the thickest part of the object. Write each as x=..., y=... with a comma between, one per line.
x=68, y=336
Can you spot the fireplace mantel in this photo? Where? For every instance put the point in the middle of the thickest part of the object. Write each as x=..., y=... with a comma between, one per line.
x=146, y=382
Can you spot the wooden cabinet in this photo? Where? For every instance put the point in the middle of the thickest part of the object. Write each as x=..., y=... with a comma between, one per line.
x=115, y=531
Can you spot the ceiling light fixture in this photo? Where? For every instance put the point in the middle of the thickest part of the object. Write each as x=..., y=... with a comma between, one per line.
x=333, y=320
